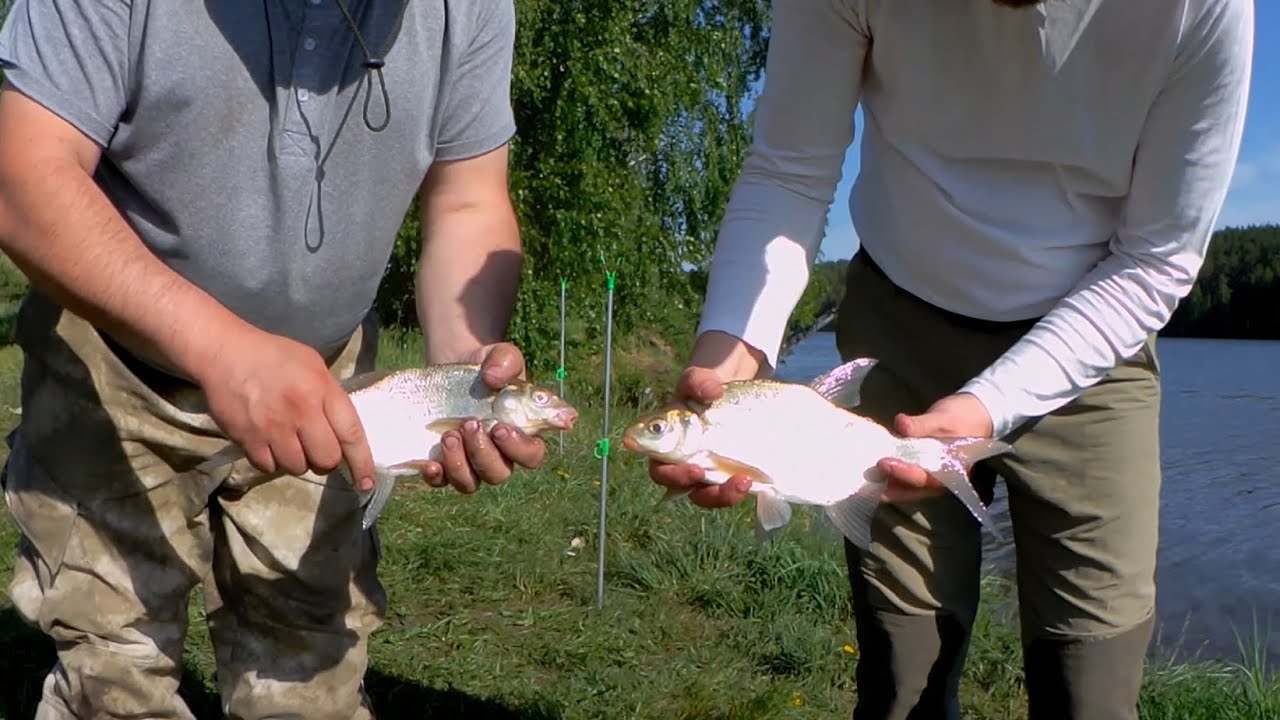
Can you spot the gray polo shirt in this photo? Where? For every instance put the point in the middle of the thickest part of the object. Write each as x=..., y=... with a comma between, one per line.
x=234, y=135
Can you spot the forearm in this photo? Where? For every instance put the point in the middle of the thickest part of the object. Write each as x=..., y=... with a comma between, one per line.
x=467, y=279
x=803, y=124
x=61, y=230
x=1102, y=323
x=1181, y=172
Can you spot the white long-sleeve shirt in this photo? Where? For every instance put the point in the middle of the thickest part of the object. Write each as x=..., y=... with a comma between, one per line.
x=1065, y=162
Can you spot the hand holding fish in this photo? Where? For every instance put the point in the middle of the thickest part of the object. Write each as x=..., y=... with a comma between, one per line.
x=960, y=415
x=702, y=386
x=279, y=403
x=805, y=444
x=414, y=421
x=717, y=357
x=473, y=456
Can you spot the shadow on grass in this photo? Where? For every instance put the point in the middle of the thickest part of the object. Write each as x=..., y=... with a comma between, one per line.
x=395, y=697
x=28, y=655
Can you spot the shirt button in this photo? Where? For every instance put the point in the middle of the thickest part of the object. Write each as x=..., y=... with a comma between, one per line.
x=309, y=43
x=303, y=94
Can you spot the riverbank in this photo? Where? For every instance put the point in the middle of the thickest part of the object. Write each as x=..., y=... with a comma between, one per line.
x=492, y=611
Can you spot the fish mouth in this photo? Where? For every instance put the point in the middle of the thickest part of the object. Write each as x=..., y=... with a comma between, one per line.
x=565, y=419
x=629, y=442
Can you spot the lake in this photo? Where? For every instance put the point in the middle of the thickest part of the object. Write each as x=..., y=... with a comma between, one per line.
x=1218, y=564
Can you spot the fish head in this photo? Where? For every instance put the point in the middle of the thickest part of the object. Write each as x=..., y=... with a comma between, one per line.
x=670, y=435
x=533, y=409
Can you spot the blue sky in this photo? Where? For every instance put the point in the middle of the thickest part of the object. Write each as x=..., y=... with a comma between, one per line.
x=1254, y=197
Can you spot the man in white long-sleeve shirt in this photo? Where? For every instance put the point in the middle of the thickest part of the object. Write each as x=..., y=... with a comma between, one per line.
x=1039, y=184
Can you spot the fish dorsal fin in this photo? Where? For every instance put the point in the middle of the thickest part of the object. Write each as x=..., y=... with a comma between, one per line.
x=842, y=385
x=364, y=380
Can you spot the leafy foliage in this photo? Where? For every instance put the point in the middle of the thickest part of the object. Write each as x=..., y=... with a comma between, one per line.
x=631, y=129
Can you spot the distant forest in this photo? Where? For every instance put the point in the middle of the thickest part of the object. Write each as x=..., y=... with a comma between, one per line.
x=1236, y=295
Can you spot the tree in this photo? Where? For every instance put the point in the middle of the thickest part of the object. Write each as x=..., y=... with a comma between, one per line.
x=631, y=130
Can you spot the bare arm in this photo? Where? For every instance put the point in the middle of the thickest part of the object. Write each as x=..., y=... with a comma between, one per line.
x=271, y=395
x=471, y=256
x=60, y=229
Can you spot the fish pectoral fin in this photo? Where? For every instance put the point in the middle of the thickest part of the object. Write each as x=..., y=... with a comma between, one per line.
x=731, y=467
x=441, y=425
x=409, y=467
x=852, y=515
x=842, y=385
x=772, y=512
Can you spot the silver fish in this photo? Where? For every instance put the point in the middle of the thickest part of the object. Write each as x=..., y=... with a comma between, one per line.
x=801, y=444
x=406, y=412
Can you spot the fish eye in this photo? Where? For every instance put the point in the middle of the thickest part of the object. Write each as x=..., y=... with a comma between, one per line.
x=540, y=397
x=657, y=427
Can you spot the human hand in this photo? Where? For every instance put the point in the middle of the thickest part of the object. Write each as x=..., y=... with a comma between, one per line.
x=716, y=359
x=960, y=415
x=473, y=456
x=276, y=399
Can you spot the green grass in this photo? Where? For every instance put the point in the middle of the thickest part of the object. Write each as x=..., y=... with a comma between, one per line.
x=492, y=611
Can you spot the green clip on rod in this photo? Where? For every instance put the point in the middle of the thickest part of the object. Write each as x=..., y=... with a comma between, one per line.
x=602, y=447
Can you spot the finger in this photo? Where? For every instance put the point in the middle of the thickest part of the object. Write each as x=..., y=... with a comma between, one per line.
x=503, y=364
x=676, y=476
x=899, y=494
x=926, y=425
x=486, y=462
x=288, y=454
x=457, y=471
x=732, y=492
x=349, y=432
x=320, y=446
x=699, y=384
x=906, y=474
x=259, y=455
x=519, y=448
x=433, y=474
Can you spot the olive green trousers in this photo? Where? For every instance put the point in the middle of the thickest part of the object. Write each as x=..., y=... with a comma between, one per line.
x=1083, y=492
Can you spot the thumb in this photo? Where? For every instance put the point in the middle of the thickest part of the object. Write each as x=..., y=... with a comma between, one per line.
x=700, y=384
x=916, y=425
x=502, y=364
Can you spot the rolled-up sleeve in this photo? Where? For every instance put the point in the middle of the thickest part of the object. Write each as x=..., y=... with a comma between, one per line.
x=802, y=126
x=1182, y=169
x=72, y=57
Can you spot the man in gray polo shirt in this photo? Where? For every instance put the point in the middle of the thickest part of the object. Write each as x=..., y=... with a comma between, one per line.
x=205, y=196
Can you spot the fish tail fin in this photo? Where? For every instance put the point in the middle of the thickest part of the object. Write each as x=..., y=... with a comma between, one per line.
x=852, y=515
x=952, y=470
x=842, y=385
